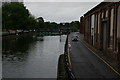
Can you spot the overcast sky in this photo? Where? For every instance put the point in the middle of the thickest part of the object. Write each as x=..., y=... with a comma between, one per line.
x=59, y=11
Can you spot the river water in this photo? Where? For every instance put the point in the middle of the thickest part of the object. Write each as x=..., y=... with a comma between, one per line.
x=29, y=57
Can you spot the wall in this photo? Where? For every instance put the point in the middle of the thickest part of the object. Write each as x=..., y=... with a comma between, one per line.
x=109, y=14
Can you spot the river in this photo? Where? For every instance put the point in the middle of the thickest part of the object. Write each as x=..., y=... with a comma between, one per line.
x=29, y=57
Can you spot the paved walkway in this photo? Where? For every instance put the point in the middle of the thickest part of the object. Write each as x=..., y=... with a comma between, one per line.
x=85, y=64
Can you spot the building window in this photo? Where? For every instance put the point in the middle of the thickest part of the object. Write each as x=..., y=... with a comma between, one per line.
x=86, y=25
x=118, y=26
x=96, y=23
x=99, y=23
x=106, y=13
x=92, y=28
x=92, y=24
x=102, y=14
x=111, y=28
x=96, y=26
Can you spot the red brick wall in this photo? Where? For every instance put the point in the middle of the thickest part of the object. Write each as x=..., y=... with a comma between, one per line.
x=82, y=25
x=103, y=7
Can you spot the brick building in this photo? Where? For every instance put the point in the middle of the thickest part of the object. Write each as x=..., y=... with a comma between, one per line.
x=82, y=25
x=102, y=28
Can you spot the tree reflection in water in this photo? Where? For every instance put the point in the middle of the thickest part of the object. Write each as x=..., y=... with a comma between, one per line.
x=16, y=48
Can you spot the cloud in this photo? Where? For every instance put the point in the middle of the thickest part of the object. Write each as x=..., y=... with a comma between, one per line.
x=59, y=11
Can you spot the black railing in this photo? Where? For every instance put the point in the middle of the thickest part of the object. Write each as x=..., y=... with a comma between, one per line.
x=70, y=75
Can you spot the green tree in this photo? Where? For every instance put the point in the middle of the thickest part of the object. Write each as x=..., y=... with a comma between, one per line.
x=74, y=25
x=0, y=17
x=14, y=16
x=54, y=26
x=48, y=26
x=31, y=23
x=40, y=23
x=40, y=19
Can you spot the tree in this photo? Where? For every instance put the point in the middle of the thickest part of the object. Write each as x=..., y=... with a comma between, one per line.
x=40, y=19
x=31, y=23
x=74, y=25
x=14, y=16
x=54, y=26
x=0, y=18
x=40, y=23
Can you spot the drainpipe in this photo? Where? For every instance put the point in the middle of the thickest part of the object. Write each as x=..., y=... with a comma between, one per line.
x=119, y=52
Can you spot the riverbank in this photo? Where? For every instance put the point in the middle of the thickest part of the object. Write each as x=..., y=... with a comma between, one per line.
x=20, y=34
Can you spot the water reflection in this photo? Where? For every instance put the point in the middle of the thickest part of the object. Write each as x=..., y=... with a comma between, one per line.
x=29, y=57
x=16, y=48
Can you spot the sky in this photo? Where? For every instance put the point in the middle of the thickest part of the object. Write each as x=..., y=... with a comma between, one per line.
x=59, y=11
